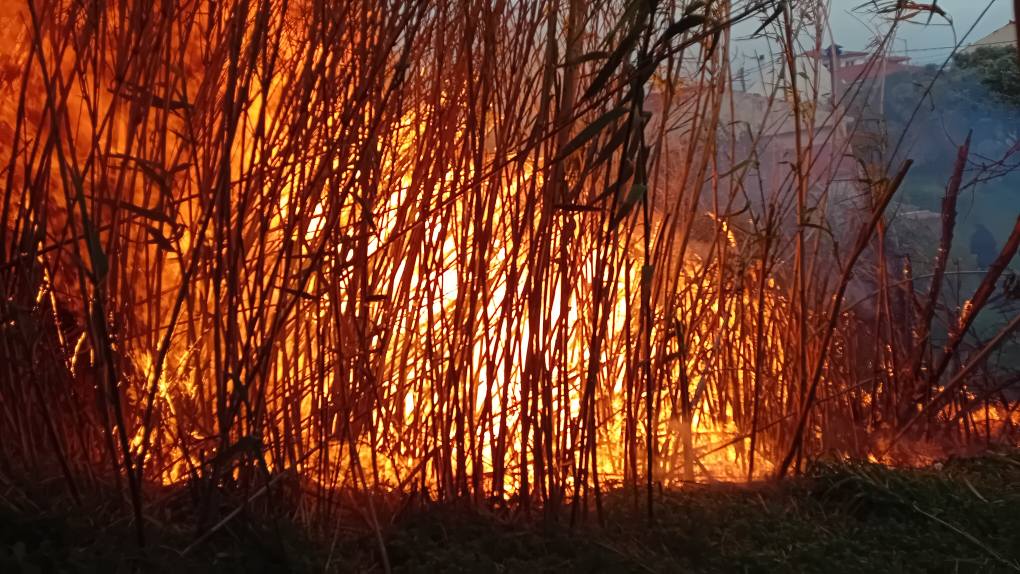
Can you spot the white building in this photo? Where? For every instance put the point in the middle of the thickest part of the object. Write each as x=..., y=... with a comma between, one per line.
x=1004, y=36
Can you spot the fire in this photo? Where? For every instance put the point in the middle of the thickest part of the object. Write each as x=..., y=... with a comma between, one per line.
x=413, y=304
x=429, y=275
x=387, y=251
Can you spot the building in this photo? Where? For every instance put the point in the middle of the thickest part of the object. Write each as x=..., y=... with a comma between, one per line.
x=852, y=67
x=770, y=75
x=832, y=75
x=1004, y=36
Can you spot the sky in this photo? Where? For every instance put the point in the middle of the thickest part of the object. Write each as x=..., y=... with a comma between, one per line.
x=854, y=28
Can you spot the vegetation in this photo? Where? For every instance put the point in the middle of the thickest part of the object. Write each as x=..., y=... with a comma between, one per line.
x=973, y=96
x=976, y=93
x=840, y=517
x=997, y=70
x=309, y=260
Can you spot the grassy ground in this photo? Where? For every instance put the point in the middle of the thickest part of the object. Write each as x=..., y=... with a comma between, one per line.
x=963, y=516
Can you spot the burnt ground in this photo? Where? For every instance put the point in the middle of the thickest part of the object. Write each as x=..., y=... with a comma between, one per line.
x=959, y=516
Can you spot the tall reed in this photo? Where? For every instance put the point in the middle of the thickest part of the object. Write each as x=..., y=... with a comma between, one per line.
x=484, y=250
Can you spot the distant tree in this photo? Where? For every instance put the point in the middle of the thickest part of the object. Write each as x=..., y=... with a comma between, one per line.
x=978, y=91
x=996, y=68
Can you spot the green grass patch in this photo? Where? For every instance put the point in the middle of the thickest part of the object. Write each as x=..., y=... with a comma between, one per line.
x=960, y=516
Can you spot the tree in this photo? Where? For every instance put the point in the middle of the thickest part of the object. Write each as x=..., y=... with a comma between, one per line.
x=978, y=91
x=996, y=68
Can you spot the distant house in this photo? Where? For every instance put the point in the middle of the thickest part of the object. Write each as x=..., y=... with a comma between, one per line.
x=766, y=131
x=843, y=57
x=771, y=75
x=857, y=81
x=1004, y=36
x=848, y=68
x=818, y=70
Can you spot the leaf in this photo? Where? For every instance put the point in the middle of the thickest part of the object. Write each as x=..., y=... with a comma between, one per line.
x=616, y=140
x=298, y=293
x=779, y=10
x=613, y=189
x=626, y=45
x=158, y=238
x=145, y=212
x=633, y=10
x=645, y=68
x=156, y=173
x=736, y=167
x=590, y=131
x=636, y=194
x=683, y=25
x=142, y=95
x=179, y=167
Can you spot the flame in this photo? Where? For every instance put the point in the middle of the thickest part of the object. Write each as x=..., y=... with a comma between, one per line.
x=405, y=311
x=404, y=357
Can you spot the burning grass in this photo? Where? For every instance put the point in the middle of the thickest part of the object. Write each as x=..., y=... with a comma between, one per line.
x=521, y=251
